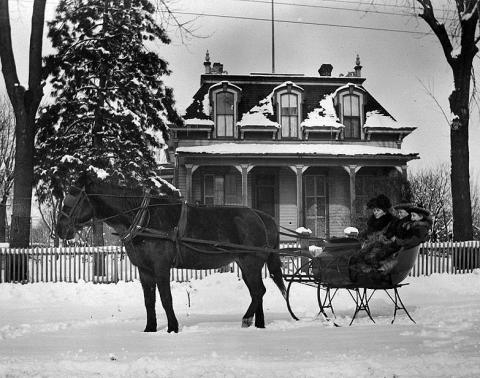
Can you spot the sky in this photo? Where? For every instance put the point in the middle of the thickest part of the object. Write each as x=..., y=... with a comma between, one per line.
x=95, y=330
x=405, y=71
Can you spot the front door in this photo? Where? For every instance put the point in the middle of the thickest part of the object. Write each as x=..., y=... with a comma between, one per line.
x=265, y=194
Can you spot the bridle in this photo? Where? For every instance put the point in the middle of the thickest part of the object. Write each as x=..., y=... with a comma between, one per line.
x=76, y=201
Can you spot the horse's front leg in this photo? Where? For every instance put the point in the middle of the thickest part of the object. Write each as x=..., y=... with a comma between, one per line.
x=163, y=283
x=148, y=286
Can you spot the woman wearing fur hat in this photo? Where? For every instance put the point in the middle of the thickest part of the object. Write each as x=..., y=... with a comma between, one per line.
x=379, y=221
x=377, y=226
x=399, y=228
x=417, y=232
x=418, y=229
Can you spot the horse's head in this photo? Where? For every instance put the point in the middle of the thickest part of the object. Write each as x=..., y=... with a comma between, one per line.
x=77, y=210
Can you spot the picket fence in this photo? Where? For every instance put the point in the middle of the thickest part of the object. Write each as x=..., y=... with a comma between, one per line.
x=111, y=264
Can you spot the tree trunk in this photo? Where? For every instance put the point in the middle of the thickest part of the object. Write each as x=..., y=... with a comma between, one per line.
x=25, y=105
x=23, y=178
x=460, y=176
x=459, y=154
x=3, y=221
x=97, y=233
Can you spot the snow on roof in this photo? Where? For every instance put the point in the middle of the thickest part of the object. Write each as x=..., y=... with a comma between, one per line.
x=285, y=83
x=375, y=119
x=206, y=104
x=293, y=148
x=198, y=121
x=323, y=116
x=346, y=86
x=256, y=119
x=257, y=116
x=225, y=82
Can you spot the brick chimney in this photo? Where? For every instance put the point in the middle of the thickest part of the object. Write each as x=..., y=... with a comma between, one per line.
x=207, y=64
x=325, y=70
x=358, y=67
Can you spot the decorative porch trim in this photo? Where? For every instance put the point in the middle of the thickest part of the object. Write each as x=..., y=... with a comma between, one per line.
x=188, y=178
x=244, y=169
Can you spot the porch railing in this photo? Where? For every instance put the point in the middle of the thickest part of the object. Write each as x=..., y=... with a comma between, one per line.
x=111, y=264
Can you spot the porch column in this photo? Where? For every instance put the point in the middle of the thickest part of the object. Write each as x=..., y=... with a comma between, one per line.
x=244, y=169
x=188, y=181
x=403, y=171
x=298, y=170
x=352, y=172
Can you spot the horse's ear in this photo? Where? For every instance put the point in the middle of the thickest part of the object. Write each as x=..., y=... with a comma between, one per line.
x=84, y=180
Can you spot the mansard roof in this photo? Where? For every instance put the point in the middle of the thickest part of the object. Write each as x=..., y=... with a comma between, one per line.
x=255, y=88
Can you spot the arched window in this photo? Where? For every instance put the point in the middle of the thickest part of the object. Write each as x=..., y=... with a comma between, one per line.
x=351, y=116
x=289, y=115
x=225, y=114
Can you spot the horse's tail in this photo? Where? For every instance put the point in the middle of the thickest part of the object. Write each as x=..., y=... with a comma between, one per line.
x=274, y=265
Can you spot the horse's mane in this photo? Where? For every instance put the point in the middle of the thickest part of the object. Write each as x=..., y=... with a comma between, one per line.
x=157, y=188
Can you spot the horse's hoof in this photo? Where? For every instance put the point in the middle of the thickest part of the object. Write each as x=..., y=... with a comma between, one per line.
x=170, y=330
x=260, y=325
x=150, y=329
x=247, y=322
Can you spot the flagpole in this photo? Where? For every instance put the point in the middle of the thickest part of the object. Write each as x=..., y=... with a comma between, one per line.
x=273, y=39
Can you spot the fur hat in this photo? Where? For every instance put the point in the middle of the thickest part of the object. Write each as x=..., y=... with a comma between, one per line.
x=380, y=202
x=404, y=206
x=418, y=209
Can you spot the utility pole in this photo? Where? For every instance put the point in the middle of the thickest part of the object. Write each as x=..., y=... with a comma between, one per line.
x=273, y=38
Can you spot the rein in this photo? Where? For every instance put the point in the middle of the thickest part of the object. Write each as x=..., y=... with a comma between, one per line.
x=141, y=219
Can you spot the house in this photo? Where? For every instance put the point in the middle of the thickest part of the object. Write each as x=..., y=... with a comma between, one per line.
x=310, y=151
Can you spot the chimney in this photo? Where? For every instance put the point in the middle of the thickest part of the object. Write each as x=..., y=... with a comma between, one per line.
x=217, y=68
x=207, y=64
x=358, y=67
x=325, y=70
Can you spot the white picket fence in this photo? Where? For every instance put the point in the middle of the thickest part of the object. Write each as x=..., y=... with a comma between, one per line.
x=111, y=264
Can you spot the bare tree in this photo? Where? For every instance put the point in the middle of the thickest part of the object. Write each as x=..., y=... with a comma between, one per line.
x=25, y=104
x=476, y=209
x=7, y=141
x=458, y=37
x=49, y=207
x=430, y=187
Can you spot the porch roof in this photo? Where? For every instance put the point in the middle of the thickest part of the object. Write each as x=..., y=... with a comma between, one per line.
x=305, y=149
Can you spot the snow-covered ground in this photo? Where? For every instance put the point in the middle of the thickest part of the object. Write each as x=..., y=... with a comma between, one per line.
x=83, y=330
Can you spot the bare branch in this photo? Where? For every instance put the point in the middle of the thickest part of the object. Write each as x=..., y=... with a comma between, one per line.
x=439, y=29
x=429, y=92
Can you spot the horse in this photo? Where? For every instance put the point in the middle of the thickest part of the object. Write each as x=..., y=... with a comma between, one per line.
x=161, y=231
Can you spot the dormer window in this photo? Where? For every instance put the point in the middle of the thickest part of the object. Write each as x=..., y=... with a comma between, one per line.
x=224, y=114
x=289, y=115
x=349, y=101
x=224, y=98
x=351, y=116
x=288, y=101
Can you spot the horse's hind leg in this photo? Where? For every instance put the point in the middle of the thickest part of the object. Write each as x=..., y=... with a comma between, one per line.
x=148, y=286
x=252, y=275
x=163, y=283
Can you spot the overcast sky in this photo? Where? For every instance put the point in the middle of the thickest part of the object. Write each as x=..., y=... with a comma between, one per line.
x=398, y=66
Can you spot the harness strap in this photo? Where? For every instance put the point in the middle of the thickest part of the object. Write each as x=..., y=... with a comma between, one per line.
x=138, y=220
x=179, y=234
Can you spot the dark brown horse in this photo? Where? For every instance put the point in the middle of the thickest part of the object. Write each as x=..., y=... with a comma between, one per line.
x=161, y=232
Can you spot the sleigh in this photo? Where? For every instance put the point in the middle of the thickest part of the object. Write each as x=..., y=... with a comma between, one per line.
x=332, y=271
